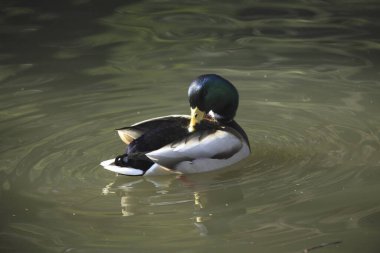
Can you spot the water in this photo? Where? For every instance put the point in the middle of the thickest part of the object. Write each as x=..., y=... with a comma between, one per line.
x=308, y=75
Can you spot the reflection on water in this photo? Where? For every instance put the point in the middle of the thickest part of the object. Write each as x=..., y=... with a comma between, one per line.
x=214, y=206
x=307, y=72
x=215, y=209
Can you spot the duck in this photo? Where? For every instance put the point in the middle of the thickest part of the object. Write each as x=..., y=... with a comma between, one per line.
x=208, y=139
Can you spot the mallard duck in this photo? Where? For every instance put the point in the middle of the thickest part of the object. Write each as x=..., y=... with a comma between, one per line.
x=207, y=140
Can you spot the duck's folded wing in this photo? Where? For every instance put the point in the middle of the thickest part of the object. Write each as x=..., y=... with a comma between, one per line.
x=128, y=134
x=202, y=151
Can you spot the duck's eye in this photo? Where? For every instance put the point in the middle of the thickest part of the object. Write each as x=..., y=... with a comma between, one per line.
x=196, y=115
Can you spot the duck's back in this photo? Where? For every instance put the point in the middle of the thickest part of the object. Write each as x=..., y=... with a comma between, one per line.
x=159, y=134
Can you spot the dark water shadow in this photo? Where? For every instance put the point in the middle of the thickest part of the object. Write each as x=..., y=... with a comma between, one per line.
x=32, y=35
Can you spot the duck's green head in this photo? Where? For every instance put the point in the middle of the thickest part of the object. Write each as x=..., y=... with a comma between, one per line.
x=213, y=95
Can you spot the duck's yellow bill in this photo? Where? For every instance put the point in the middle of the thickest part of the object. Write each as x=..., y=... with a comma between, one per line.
x=196, y=117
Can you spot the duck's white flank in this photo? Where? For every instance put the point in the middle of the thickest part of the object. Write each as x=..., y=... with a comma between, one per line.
x=195, y=156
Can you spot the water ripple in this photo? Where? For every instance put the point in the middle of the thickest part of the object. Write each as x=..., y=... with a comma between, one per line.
x=308, y=81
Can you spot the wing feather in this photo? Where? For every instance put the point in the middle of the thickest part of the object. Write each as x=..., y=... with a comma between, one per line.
x=217, y=145
x=128, y=134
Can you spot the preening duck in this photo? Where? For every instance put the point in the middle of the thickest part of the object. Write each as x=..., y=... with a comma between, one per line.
x=207, y=140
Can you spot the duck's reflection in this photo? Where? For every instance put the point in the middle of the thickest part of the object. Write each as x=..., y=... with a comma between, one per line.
x=215, y=209
x=211, y=204
x=125, y=206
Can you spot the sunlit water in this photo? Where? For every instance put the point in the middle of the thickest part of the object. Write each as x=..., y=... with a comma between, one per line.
x=308, y=76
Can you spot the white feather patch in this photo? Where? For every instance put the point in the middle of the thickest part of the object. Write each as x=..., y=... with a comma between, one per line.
x=209, y=164
x=110, y=165
x=128, y=135
x=200, y=155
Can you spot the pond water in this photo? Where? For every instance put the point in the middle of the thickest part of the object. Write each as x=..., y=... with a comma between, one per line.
x=308, y=76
